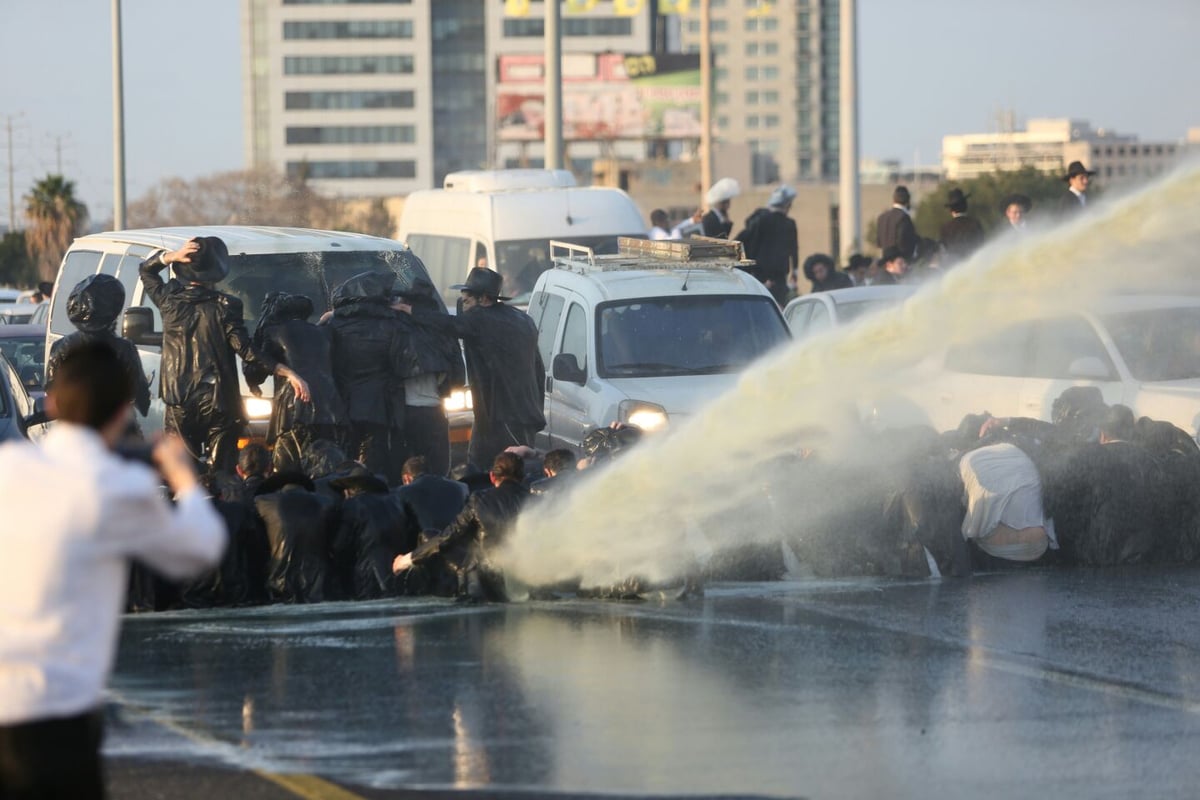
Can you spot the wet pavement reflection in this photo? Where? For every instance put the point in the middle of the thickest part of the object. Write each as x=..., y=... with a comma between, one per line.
x=1069, y=684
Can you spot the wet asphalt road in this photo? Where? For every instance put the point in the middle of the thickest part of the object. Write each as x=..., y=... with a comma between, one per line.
x=1063, y=684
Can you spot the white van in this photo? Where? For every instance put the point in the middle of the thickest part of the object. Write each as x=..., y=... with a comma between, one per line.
x=646, y=336
x=262, y=260
x=505, y=219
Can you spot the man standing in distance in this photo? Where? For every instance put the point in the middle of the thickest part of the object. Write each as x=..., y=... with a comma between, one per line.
x=894, y=227
x=203, y=333
x=504, y=367
x=1075, y=198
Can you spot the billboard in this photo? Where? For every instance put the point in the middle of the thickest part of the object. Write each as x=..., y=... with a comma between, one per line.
x=606, y=96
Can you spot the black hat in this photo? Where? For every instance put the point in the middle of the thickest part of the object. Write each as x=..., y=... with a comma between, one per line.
x=95, y=303
x=891, y=254
x=956, y=200
x=1021, y=200
x=1076, y=168
x=361, y=479
x=281, y=479
x=481, y=280
x=858, y=261
x=209, y=264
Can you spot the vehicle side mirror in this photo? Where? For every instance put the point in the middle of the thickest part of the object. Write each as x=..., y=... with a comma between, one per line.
x=138, y=326
x=565, y=367
x=1089, y=368
x=39, y=415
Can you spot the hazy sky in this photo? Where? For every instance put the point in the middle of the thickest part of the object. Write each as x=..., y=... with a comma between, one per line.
x=927, y=68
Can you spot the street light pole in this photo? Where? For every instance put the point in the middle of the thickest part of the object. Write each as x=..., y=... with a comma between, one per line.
x=554, y=122
x=706, y=93
x=848, y=208
x=118, y=122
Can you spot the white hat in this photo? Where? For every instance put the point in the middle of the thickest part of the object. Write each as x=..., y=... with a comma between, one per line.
x=722, y=190
x=781, y=196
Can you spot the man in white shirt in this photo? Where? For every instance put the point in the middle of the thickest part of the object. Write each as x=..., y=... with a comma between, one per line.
x=75, y=514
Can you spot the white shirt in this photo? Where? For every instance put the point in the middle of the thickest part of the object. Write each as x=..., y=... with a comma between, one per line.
x=1082, y=197
x=658, y=234
x=74, y=514
x=422, y=390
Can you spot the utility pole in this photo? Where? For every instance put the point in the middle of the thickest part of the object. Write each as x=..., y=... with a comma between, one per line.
x=848, y=219
x=553, y=135
x=706, y=95
x=12, y=201
x=118, y=122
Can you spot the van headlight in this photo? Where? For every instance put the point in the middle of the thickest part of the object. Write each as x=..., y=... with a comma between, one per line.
x=647, y=416
x=459, y=400
x=257, y=408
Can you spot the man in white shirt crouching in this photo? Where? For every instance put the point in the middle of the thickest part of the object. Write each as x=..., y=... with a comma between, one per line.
x=75, y=513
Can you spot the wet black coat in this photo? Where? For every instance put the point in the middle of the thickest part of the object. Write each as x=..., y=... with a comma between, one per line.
x=961, y=236
x=203, y=333
x=713, y=226
x=428, y=351
x=371, y=533
x=482, y=525
x=308, y=350
x=431, y=500
x=770, y=239
x=125, y=351
x=298, y=527
x=366, y=335
x=836, y=280
x=504, y=366
x=240, y=578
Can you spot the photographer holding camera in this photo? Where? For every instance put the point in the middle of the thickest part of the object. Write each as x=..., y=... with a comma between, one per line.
x=203, y=333
x=76, y=514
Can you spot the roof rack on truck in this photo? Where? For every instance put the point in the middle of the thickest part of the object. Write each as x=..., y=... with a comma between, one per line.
x=698, y=252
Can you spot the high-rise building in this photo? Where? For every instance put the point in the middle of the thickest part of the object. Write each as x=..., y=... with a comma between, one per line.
x=775, y=86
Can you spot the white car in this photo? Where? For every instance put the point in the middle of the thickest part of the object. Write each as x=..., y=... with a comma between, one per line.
x=813, y=313
x=1141, y=351
x=642, y=339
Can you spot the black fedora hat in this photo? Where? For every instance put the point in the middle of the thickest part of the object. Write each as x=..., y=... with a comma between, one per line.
x=281, y=479
x=1017, y=199
x=956, y=199
x=481, y=280
x=1076, y=168
x=208, y=265
x=360, y=478
x=858, y=261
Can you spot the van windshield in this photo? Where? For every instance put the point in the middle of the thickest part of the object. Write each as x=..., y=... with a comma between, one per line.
x=523, y=261
x=315, y=275
x=698, y=335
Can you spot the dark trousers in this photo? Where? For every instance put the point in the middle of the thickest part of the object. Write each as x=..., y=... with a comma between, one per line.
x=210, y=434
x=428, y=434
x=487, y=443
x=52, y=758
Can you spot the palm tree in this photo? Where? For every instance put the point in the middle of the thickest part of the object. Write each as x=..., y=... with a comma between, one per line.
x=55, y=218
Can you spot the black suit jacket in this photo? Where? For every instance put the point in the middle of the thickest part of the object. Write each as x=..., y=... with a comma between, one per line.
x=895, y=227
x=1069, y=203
x=713, y=226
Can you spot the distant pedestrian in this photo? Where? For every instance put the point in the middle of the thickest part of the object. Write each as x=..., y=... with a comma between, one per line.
x=717, y=222
x=1075, y=197
x=962, y=234
x=1016, y=208
x=770, y=239
x=660, y=225
x=821, y=271
x=894, y=227
x=892, y=267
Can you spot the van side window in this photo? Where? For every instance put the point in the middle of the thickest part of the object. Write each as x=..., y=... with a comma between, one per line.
x=546, y=316
x=575, y=338
x=77, y=266
x=446, y=259
x=127, y=272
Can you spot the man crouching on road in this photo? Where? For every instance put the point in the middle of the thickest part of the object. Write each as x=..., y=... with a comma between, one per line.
x=75, y=514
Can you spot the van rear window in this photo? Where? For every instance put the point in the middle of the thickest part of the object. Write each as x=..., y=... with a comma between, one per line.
x=76, y=266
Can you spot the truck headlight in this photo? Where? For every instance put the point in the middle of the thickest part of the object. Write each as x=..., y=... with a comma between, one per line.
x=647, y=416
x=257, y=408
x=459, y=400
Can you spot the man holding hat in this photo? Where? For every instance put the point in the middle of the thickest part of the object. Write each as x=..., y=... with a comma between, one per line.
x=716, y=222
x=962, y=234
x=1077, y=178
x=203, y=333
x=504, y=367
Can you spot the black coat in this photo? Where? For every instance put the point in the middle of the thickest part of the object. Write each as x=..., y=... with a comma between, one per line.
x=366, y=337
x=484, y=523
x=713, y=226
x=894, y=227
x=770, y=239
x=431, y=500
x=203, y=334
x=1068, y=203
x=372, y=531
x=307, y=349
x=961, y=236
x=504, y=365
x=425, y=351
x=125, y=351
x=298, y=525
x=836, y=280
